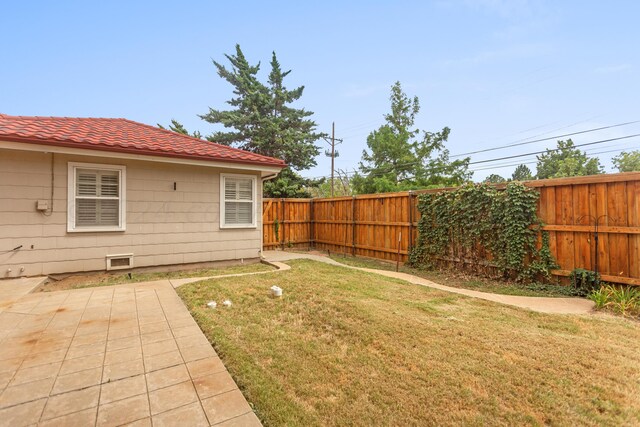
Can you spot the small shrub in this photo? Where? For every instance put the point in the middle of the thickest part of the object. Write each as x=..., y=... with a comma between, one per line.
x=584, y=281
x=553, y=289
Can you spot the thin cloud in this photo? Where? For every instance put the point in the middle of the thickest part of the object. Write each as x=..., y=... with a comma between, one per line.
x=504, y=8
x=610, y=69
x=519, y=51
x=363, y=91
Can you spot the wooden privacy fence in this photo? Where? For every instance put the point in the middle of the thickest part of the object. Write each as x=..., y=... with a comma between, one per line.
x=384, y=226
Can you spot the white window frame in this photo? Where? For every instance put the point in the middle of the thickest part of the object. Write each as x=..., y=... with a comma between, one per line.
x=71, y=197
x=223, y=177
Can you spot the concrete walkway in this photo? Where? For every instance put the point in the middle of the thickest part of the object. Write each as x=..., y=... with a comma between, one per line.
x=119, y=355
x=539, y=304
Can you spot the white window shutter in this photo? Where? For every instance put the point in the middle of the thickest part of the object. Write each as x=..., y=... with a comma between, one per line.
x=86, y=212
x=245, y=189
x=86, y=183
x=245, y=213
x=109, y=212
x=109, y=184
x=239, y=201
x=98, y=198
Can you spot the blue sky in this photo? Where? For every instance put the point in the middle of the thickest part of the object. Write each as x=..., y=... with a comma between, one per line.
x=494, y=71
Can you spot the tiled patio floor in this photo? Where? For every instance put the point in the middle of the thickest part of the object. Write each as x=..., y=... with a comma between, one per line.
x=122, y=355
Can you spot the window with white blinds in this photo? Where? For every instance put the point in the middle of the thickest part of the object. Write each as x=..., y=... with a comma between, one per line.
x=238, y=201
x=96, y=197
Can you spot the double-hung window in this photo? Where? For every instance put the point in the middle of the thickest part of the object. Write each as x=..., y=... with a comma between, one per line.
x=238, y=201
x=96, y=197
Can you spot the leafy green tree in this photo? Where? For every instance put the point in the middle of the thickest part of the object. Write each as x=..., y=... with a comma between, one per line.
x=627, y=161
x=494, y=179
x=290, y=184
x=263, y=121
x=341, y=187
x=522, y=173
x=177, y=127
x=565, y=161
x=401, y=157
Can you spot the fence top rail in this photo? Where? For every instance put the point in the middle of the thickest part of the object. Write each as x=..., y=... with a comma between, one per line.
x=552, y=182
x=588, y=179
x=278, y=199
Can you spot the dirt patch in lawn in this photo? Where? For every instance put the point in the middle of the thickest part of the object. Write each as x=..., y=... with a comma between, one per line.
x=344, y=347
x=109, y=279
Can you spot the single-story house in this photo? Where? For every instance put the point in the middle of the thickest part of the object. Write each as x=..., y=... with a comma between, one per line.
x=90, y=194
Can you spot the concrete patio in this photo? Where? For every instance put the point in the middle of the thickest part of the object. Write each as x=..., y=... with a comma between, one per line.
x=122, y=355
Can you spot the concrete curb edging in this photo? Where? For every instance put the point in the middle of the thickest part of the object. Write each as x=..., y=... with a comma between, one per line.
x=278, y=267
x=538, y=304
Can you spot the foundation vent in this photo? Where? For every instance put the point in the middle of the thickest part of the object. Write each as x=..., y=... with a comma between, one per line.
x=119, y=262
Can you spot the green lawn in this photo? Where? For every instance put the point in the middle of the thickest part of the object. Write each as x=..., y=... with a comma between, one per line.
x=343, y=347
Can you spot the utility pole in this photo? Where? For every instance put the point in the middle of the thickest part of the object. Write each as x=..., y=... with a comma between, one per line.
x=333, y=153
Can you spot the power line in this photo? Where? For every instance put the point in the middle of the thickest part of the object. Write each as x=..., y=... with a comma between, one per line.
x=517, y=143
x=544, y=139
x=389, y=169
x=361, y=125
x=552, y=130
x=555, y=149
x=591, y=153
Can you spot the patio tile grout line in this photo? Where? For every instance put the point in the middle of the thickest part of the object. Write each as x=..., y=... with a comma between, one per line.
x=74, y=335
x=104, y=357
x=39, y=337
x=65, y=353
x=180, y=351
x=24, y=358
x=144, y=366
x=182, y=304
x=237, y=416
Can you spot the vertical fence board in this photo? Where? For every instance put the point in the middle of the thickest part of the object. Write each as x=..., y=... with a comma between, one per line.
x=603, y=219
x=633, y=205
x=369, y=225
x=618, y=243
x=581, y=216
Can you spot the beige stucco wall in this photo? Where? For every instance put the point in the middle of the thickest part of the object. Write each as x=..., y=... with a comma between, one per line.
x=163, y=226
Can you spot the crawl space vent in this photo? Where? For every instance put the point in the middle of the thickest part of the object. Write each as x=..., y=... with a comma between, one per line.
x=119, y=262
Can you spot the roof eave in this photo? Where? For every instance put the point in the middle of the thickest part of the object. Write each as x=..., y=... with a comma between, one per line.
x=143, y=152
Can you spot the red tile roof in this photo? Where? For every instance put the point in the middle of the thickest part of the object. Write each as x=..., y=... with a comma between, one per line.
x=121, y=135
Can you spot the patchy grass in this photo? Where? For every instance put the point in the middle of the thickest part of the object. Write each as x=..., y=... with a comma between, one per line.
x=110, y=279
x=464, y=281
x=344, y=347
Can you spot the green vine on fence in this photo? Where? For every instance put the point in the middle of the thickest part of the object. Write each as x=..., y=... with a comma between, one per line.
x=485, y=230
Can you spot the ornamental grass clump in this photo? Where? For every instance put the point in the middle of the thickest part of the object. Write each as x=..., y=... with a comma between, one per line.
x=623, y=300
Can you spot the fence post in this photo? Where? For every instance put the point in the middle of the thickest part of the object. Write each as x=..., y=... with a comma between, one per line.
x=398, y=257
x=284, y=222
x=353, y=226
x=410, y=240
x=311, y=224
